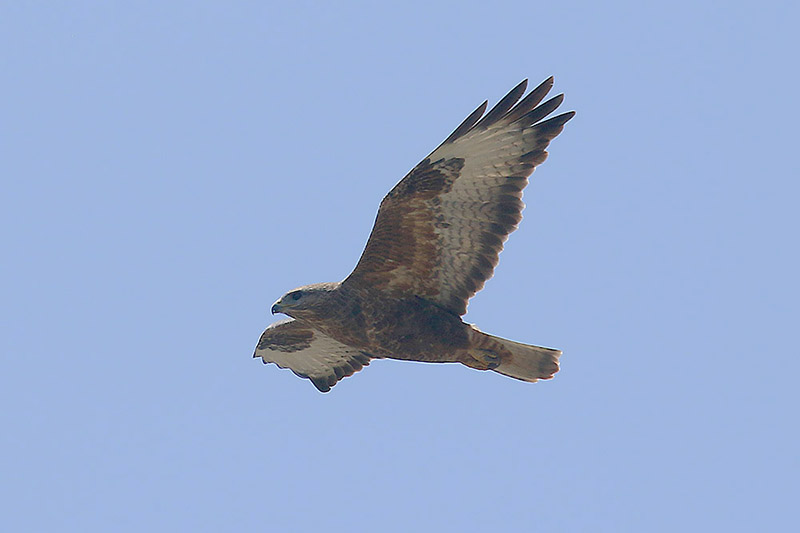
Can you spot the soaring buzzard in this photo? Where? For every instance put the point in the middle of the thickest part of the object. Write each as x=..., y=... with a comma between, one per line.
x=435, y=242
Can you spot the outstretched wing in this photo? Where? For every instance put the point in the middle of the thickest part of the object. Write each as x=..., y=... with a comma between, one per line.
x=439, y=232
x=309, y=354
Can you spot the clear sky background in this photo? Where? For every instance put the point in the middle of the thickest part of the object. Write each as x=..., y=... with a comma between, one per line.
x=169, y=169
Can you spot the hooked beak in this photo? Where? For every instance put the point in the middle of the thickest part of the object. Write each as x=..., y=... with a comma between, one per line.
x=276, y=309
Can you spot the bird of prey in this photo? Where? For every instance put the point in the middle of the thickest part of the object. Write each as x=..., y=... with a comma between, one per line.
x=434, y=244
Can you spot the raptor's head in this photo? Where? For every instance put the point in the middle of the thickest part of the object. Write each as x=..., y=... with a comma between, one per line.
x=305, y=302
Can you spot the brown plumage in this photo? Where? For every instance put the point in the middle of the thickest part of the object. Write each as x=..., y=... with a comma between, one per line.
x=435, y=242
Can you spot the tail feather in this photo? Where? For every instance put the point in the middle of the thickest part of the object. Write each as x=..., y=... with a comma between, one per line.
x=525, y=361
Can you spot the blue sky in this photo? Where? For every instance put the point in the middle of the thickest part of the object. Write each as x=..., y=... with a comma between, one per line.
x=170, y=169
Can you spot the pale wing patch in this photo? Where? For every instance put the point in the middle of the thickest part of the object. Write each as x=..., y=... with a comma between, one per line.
x=484, y=205
x=309, y=353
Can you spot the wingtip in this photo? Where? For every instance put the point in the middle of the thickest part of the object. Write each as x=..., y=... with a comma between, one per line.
x=531, y=100
x=321, y=386
x=546, y=85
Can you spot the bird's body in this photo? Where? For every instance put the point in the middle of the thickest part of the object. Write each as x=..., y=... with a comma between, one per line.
x=411, y=329
x=435, y=242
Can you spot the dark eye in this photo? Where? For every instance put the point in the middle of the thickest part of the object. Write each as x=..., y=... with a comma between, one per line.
x=296, y=295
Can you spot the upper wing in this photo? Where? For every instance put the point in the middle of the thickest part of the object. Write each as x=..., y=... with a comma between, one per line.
x=439, y=231
x=309, y=354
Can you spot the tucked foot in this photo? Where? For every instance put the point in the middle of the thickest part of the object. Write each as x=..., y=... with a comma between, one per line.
x=480, y=359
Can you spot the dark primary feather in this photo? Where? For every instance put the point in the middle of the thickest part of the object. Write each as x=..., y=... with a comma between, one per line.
x=502, y=107
x=468, y=122
x=531, y=101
